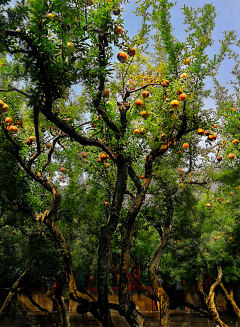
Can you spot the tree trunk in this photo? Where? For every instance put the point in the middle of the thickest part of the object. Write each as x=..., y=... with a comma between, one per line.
x=105, y=243
x=154, y=266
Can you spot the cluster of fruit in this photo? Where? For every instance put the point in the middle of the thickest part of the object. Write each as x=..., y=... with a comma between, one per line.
x=123, y=57
x=220, y=201
x=103, y=157
x=11, y=127
x=30, y=140
x=207, y=133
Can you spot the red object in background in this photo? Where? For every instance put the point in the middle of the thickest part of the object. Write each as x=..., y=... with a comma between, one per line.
x=55, y=286
x=133, y=285
x=184, y=291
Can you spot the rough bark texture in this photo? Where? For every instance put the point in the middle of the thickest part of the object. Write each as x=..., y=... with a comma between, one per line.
x=229, y=296
x=105, y=242
x=26, y=316
x=155, y=262
x=126, y=307
x=209, y=300
x=37, y=305
x=12, y=293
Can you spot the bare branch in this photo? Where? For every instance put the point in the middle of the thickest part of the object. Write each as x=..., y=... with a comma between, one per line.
x=15, y=89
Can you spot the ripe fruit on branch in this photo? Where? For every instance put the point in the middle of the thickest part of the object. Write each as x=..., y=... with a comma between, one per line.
x=8, y=121
x=12, y=129
x=84, y=154
x=235, y=221
x=48, y=145
x=183, y=75
x=116, y=247
x=171, y=111
x=145, y=114
x=200, y=131
x=106, y=165
x=219, y=158
x=103, y=156
x=106, y=92
x=70, y=46
x=206, y=133
x=62, y=169
x=179, y=91
x=235, y=141
x=165, y=83
x=214, y=136
x=19, y=123
x=118, y=30
x=210, y=137
x=145, y=94
x=136, y=131
x=122, y=57
x=105, y=203
x=142, y=176
x=99, y=159
x=215, y=126
x=4, y=107
x=60, y=177
x=138, y=103
x=182, y=97
x=1, y=105
x=185, y=145
x=233, y=109
x=32, y=138
x=231, y=156
x=131, y=82
x=218, y=200
x=228, y=201
x=28, y=142
x=186, y=61
x=131, y=88
x=132, y=52
x=231, y=193
x=208, y=205
x=174, y=103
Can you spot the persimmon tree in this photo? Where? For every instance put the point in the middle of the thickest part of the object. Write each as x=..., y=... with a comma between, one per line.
x=47, y=48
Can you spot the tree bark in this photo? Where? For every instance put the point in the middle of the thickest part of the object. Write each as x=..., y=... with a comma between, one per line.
x=105, y=242
x=127, y=308
x=229, y=296
x=209, y=300
x=12, y=293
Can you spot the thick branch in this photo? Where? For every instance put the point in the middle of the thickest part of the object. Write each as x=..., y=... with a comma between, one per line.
x=13, y=292
x=37, y=305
